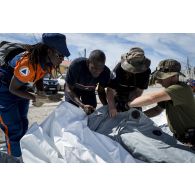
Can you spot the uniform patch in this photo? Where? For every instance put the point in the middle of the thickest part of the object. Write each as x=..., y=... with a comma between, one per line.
x=24, y=71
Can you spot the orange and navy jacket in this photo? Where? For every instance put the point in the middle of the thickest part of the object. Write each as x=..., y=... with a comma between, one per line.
x=26, y=73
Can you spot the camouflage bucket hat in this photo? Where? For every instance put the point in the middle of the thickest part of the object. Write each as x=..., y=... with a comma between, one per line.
x=168, y=68
x=135, y=61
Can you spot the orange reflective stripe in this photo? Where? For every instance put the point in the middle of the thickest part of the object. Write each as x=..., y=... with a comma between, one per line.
x=6, y=135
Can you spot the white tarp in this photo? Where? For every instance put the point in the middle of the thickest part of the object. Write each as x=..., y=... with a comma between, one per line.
x=65, y=137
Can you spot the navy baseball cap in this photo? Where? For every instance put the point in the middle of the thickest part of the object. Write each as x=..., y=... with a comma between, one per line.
x=56, y=41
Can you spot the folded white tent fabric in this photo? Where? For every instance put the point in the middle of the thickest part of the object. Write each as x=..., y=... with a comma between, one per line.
x=65, y=137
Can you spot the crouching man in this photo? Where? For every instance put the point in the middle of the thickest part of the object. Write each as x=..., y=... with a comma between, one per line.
x=130, y=77
x=176, y=98
x=82, y=78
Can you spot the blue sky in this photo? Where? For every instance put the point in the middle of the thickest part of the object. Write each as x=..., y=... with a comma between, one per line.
x=157, y=46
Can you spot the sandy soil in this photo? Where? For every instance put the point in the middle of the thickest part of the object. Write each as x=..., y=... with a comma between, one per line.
x=38, y=114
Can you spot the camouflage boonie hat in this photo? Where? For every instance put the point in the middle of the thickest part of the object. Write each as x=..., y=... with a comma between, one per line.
x=167, y=68
x=135, y=61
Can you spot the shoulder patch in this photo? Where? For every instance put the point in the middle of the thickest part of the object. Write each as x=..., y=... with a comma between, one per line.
x=24, y=71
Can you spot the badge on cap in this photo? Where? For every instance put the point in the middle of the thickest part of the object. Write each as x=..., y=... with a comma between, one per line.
x=24, y=71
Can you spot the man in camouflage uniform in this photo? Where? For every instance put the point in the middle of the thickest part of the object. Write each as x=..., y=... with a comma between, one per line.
x=176, y=98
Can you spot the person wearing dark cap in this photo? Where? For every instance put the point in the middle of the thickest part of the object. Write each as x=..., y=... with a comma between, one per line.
x=176, y=98
x=82, y=78
x=57, y=42
x=29, y=66
x=130, y=77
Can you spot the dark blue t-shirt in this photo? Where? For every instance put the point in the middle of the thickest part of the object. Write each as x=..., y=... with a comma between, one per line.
x=78, y=75
x=124, y=82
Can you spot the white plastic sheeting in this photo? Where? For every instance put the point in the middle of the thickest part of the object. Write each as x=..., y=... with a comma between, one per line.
x=65, y=137
x=161, y=119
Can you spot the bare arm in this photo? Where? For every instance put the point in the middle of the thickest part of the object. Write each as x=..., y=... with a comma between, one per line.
x=110, y=93
x=150, y=98
x=102, y=94
x=88, y=109
x=70, y=93
x=152, y=112
x=111, y=102
x=15, y=88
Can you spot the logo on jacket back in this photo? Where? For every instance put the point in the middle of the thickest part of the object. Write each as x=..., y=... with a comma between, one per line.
x=24, y=71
